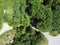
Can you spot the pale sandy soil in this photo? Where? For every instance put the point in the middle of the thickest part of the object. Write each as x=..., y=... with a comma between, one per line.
x=5, y=28
x=53, y=40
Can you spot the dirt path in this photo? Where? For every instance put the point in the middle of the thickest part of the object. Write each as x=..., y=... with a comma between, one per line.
x=5, y=28
x=52, y=40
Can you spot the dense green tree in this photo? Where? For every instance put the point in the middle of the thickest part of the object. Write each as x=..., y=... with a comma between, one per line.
x=46, y=25
x=56, y=1
x=42, y=16
x=56, y=20
x=29, y=18
x=30, y=37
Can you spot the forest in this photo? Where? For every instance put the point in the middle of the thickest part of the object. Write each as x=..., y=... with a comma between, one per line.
x=29, y=18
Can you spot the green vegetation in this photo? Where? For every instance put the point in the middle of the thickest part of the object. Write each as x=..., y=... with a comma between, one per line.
x=56, y=20
x=4, y=38
x=1, y=14
x=29, y=37
x=22, y=15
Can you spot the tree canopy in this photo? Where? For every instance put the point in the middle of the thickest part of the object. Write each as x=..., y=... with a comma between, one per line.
x=22, y=15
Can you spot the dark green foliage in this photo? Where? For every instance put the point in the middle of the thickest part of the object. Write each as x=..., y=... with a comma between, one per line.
x=57, y=1
x=56, y=20
x=44, y=15
x=46, y=25
x=24, y=18
x=30, y=37
x=26, y=35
